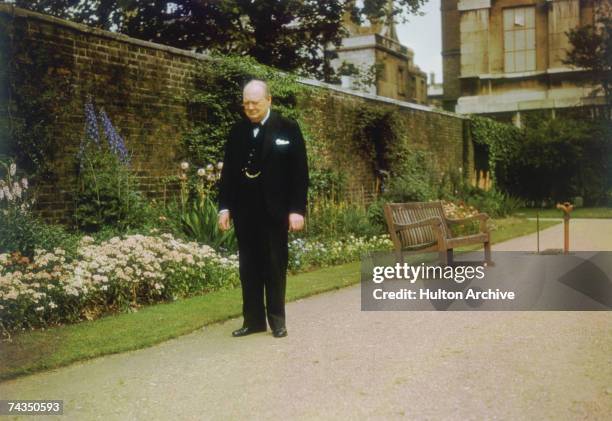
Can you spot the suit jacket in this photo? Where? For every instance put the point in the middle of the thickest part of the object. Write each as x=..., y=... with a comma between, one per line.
x=284, y=168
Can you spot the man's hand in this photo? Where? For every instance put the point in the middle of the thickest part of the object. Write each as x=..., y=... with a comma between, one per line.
x=224, y=221
x=296, y=222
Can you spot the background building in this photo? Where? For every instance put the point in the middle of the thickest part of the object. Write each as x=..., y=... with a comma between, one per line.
x=435, y=92
x=505, y=57
x=371, y=59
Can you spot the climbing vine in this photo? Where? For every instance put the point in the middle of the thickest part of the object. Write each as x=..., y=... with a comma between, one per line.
x=215, y=102
x=40, y=87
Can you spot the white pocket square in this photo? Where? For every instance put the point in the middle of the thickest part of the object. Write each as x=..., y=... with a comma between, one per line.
x=281, y=142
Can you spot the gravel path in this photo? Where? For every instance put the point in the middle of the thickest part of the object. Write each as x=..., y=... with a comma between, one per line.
x=341, y=363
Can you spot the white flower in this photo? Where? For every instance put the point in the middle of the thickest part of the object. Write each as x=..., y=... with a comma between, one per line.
x=7, y=193
x=209, y=167
x=219, y=165
x=17, y=189
x=201, y=172
x=184, y=166
x=24, y=183
x=39, y=308
x=12, y=169
x=1, y=194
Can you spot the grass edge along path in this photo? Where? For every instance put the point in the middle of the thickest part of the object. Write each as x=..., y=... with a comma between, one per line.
x=595, y=212
x=39, y=350
x=30, y=352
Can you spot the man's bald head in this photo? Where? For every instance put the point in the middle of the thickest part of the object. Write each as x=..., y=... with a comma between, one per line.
x=257, y=85
x=256, y=100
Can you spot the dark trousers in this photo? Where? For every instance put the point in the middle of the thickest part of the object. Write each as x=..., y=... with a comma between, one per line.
x=263, y=255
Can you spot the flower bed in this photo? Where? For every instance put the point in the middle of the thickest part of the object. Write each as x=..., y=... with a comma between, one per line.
x=307, y=254
x=123, y=273
x=117, y=275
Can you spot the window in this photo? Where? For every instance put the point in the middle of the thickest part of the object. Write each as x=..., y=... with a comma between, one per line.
x=401, y=82
x=519, y=39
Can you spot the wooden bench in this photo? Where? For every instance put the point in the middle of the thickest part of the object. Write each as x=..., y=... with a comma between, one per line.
x=423, y=226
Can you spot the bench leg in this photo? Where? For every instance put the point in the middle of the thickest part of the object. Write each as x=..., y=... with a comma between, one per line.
x=487, y=251
x=399, y=257
x=446, y=257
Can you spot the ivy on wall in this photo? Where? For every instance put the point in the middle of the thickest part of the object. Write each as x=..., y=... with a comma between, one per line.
x=40, y=85
x=215, y=104
x=549, y=160
x=502, y=141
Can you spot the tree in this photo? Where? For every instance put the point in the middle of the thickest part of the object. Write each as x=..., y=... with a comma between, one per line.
x=592, y=50
x=288, y=34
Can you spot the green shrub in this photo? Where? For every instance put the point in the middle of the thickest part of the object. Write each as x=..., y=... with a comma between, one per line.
x=492, y=202
x=376, y=215
x=20, y=230
x=200, y=223
x=324, y=183
x=415, y=181
x=336, y=219
x=106, y=194
x=24, y=233
x=550, y=160
x=17, y=233
x=502, y=142
x=106, y=191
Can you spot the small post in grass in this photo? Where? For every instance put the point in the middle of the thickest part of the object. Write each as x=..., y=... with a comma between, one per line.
x=538, y=230
x=566, y=207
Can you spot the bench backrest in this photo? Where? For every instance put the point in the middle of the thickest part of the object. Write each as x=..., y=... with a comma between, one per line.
x=406, y=213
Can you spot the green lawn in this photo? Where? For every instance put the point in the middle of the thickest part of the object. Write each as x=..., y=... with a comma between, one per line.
x=34, y=351
x=508, y=228
x=556, y=213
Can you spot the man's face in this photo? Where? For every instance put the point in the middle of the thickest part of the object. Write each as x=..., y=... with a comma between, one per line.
x=255, y=102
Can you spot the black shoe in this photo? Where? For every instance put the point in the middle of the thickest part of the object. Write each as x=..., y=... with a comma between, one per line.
x=281, y=332
x=243, y=331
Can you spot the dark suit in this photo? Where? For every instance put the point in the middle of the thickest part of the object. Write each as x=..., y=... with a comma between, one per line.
x=260, y=207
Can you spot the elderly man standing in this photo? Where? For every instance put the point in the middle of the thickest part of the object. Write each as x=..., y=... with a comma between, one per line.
x=263, y=189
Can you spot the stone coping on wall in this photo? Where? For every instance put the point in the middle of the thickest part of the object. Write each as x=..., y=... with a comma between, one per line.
x=403, y=104
x=11, y=10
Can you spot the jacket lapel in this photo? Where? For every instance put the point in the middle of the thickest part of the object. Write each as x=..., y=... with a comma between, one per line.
x=244, y=137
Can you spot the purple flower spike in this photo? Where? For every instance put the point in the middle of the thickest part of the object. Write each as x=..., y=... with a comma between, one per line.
x=92, y=131
x=91, y=122
x=115, y=141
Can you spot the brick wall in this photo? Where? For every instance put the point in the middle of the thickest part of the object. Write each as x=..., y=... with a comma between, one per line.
x=142, y=87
